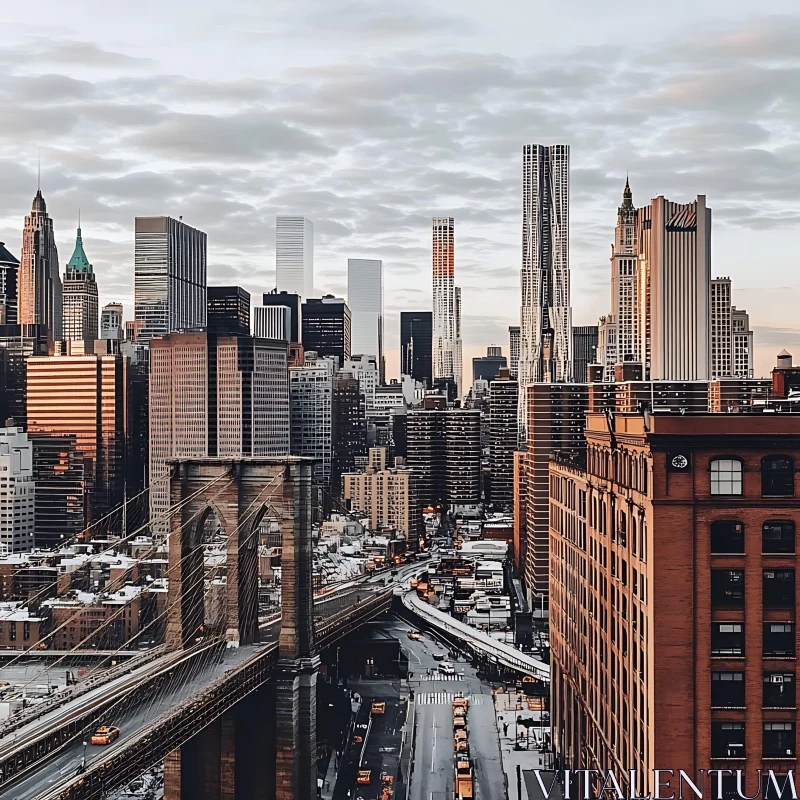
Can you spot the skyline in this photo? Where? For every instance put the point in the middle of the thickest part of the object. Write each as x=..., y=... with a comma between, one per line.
x=669, y=118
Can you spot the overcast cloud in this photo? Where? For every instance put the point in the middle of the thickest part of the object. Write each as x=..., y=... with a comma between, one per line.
x=370, y=119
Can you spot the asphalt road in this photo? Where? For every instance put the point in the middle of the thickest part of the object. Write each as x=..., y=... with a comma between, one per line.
x=433, y=760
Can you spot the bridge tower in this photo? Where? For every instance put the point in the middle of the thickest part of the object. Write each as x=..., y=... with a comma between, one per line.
x=239, y=748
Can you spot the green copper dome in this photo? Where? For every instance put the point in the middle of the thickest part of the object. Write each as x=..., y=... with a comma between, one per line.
x=79, y=262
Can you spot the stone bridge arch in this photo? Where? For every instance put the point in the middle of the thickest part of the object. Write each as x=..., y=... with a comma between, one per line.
x=240, y=492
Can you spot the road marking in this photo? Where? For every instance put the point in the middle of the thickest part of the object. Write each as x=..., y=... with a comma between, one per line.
x=446, y=698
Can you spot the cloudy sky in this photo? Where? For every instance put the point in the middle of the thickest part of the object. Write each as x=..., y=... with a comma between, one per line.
x=371, y=117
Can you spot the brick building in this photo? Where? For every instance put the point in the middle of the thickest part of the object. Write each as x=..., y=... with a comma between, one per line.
x=673, y=597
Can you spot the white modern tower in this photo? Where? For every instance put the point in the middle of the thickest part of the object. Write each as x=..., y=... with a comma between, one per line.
x=446, y=304
x=294, y=256
x=365, y=299
x=545, y=315
x=675, y=289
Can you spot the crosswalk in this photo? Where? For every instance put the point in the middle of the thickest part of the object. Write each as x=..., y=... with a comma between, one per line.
x=445, y=699
x=437, y=676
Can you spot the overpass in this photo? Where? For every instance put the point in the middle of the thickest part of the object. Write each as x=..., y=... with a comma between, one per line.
x=479, y=641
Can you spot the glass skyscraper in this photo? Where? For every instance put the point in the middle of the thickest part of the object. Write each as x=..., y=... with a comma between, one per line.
x=170, y=277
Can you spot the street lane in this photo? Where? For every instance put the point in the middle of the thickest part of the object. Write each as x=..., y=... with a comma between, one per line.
x=433, y=770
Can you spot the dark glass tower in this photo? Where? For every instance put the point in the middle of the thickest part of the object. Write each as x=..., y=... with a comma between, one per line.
x=326, y=327
x=416, y=345
x=229, y=309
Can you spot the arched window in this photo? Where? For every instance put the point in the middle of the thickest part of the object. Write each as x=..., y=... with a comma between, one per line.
x=777, y=476
x=726, y=476
x=727, y=536
x=777, y=536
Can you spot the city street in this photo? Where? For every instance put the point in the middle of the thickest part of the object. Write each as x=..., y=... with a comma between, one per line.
x=433, y=761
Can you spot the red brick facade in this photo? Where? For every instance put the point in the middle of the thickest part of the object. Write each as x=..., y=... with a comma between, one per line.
x=650, y=606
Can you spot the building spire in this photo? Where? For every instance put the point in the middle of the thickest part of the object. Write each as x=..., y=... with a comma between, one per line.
x=79, y=262
x=39, y=173
x=627, y=195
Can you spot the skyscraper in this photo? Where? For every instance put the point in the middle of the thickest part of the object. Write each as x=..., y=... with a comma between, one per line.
x=416, y=345
x=675, y=288
x=170, y=277
x=311, y=387
x=294, y=255
x=513, y=350
x=85, y=396
x=273, y=322
x=446, y=304
x=9, y=272
x=17, y=344
x=40, y=292
x=503, y=404
x=17, y=491
x=111, y=326
x=229, y=309
x=584, y=350
x=742, y=343
x=80, y=296
x=294, y=302
x=444, y=454
x=721, y=329
x=214, y=395
x=545, y=314
x=348, y=429
x=327, y=328
x=365, y=300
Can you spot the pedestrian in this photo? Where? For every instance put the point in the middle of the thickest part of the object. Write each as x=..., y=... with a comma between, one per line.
x=505, y=729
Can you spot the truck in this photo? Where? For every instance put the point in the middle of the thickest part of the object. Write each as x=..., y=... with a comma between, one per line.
x=460, y=741
x=463, y=787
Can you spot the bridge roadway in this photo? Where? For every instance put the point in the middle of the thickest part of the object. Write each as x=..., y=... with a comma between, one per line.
x=182, y=682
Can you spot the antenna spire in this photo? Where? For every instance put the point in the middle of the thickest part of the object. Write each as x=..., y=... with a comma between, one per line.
x=39, y=173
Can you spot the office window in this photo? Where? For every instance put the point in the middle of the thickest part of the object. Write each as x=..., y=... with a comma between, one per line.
x=726, y=476
x=727, y=588
x=777, y=536
x=727, y=639
x=777, y=476
x=778, y=588
x=727, y=536
x=778, y=639
x=778, y=740
x=727, y=740
x=727, y=689
x=779, y=690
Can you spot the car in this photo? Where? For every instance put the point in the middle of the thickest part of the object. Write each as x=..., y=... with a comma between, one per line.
x=413, y=635
x=378, y=708
x=438, y=656
x=364, y=777
x=446, y=668
x=105, y=734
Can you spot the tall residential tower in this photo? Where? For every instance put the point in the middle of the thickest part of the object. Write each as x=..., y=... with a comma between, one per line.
x=545, y=315
x=446, y=304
